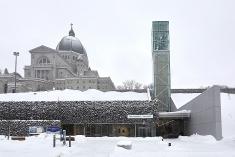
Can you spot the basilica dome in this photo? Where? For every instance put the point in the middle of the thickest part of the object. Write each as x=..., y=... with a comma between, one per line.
x=71, y=43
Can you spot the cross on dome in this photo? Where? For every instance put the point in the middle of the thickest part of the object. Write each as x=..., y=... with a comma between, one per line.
x=71, y=32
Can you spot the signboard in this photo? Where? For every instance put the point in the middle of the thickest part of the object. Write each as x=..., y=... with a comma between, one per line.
x=53, y=129
x=140, y=116
x=35, y=130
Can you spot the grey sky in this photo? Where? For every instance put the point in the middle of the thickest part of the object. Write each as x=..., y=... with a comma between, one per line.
x=117, y=36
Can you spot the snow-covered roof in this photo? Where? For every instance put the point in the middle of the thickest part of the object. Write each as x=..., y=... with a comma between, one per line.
x=75, y=95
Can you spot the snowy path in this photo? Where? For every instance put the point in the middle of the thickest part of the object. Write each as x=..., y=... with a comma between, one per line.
x=193, y=146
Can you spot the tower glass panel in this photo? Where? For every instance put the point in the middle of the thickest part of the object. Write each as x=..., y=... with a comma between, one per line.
x=161, y=63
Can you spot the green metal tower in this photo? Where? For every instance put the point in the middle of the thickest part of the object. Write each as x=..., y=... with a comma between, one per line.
x=161, y=64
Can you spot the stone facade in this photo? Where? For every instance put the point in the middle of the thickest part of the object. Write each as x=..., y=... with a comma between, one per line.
x=2, y=85
x=21, y=127
x=79, y=112
x=65, y=67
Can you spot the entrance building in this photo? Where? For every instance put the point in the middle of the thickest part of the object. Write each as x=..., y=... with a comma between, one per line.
x=97, y=118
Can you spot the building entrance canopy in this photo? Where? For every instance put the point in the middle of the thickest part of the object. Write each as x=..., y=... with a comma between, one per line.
x=175, y=115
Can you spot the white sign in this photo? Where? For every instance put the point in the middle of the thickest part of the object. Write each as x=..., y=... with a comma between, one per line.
x=140, y=116
x=35, y=130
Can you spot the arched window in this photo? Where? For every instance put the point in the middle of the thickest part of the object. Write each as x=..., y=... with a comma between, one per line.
x=43, y=60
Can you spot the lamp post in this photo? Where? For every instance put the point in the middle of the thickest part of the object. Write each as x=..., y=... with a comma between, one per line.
x=15, y=54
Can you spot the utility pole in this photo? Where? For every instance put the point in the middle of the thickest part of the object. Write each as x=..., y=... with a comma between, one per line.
x=16, y=54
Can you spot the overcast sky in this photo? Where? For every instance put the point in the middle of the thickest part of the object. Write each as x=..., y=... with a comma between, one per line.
x=117, y=36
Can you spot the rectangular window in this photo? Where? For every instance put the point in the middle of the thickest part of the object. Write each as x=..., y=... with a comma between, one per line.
x=38, y=73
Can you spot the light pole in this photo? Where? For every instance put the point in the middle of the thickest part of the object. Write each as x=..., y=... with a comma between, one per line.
x=15, y=54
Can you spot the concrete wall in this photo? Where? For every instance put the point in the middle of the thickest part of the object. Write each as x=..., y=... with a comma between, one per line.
x=205, y=114
x=173, y=106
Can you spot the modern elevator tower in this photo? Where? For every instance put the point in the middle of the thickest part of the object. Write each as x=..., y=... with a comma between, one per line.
x=161, y=64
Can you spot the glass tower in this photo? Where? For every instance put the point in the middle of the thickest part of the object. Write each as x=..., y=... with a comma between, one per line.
x=161, y=64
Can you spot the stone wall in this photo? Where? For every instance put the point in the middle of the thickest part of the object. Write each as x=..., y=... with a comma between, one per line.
x=80, y=112
x=21, y=127
x=21, y=115
x=2, y=83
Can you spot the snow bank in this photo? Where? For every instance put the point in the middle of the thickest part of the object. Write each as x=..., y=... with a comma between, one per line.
x=75, y=95
x=198, y=138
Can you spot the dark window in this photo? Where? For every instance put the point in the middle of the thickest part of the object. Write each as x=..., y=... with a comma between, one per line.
x=5, y=88
x=44, y=60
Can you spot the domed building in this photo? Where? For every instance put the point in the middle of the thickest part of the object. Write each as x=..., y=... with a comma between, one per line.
x=65, y=67
x=72, y=50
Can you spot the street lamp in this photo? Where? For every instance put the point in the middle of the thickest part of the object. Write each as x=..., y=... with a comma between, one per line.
x=15, y=54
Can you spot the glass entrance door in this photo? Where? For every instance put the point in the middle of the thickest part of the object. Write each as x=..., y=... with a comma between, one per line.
x=143, y=132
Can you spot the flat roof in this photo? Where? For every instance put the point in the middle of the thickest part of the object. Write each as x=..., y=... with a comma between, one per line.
x=175, y=115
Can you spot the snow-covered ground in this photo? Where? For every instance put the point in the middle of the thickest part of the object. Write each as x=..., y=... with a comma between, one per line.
x=193, y=146
x=75, y=95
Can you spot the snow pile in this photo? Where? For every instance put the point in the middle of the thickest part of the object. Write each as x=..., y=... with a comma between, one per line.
x=75, y=95
x=198, y=139
x=125, y=144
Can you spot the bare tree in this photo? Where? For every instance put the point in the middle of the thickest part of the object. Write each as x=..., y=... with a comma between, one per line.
x=138, y=85
x=120, y=87
x=130, y=85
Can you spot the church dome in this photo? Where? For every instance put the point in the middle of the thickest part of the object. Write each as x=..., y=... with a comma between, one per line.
x=71, y=43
